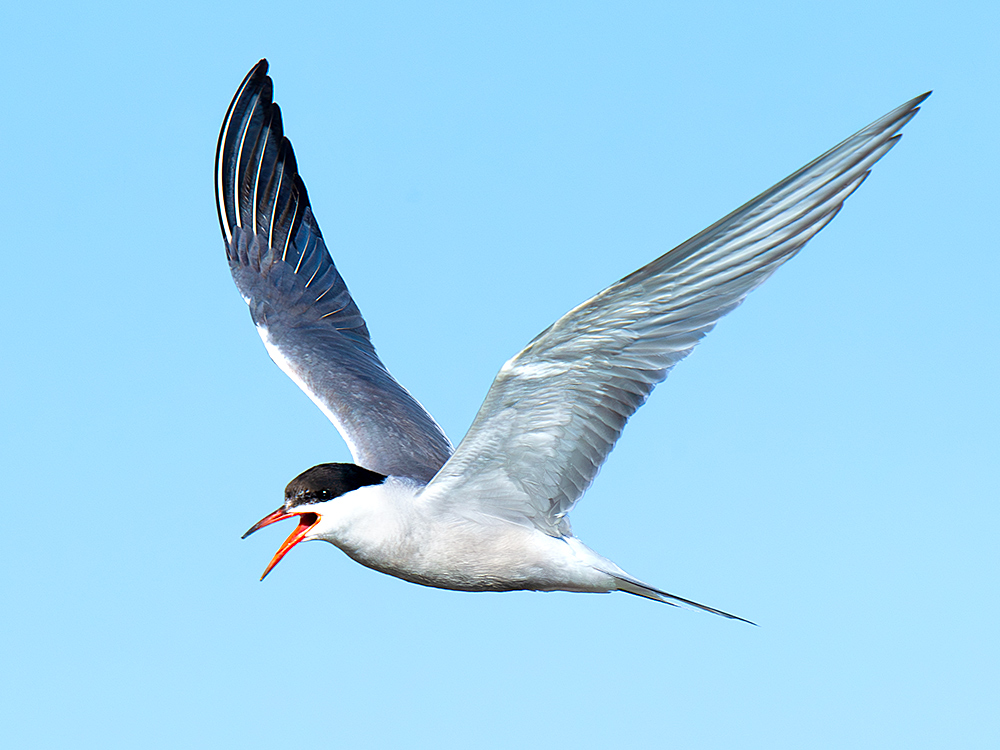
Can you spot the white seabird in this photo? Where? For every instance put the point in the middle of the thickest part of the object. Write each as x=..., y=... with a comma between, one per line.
x=491, y=514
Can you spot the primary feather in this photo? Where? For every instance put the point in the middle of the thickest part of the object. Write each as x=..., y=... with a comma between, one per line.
x=304, y=313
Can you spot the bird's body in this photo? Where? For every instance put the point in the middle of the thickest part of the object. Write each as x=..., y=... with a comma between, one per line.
x=388, y=528
x=491, y=514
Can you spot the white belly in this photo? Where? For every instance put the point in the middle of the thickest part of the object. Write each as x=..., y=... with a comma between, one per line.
x=497, y=556
x=387, y=528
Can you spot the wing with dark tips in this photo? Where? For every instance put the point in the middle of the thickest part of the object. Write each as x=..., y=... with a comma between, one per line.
x=303, y=311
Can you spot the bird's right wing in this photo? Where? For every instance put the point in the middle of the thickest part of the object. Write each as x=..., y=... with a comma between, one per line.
x=556, y=409
x=304, y=313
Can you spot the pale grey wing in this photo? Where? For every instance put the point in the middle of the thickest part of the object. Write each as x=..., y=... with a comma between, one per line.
x=303, y=311
x=556, y=409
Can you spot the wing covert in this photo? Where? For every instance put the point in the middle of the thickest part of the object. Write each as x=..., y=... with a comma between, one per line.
x=556, y=409
x=301, y=306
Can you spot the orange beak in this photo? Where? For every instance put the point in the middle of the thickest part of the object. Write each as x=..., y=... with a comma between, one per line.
x=306, y=521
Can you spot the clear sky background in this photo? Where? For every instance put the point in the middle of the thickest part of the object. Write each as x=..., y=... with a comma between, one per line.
x=825, y=463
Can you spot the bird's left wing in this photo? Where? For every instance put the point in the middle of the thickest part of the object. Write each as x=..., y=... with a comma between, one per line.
x=556, y=409
x=304, y=313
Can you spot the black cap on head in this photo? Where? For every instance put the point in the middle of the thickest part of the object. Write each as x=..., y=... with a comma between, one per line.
x=327, y=481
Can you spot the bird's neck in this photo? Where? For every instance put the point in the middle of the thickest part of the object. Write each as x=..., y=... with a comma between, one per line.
x=374, y=521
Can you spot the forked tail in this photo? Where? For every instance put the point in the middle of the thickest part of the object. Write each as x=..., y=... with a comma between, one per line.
x=632, y=586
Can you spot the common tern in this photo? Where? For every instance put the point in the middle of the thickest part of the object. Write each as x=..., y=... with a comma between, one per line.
x=490, y=515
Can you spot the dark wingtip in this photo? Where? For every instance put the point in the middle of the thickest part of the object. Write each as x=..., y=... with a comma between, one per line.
x=253, y=80
x=913, y=106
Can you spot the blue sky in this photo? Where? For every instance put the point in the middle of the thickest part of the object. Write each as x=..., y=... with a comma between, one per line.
x=824, y=464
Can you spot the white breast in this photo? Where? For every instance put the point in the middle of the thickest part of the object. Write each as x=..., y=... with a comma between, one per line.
x=387, y=528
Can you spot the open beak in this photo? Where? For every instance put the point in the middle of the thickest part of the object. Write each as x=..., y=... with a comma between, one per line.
x=306, y=521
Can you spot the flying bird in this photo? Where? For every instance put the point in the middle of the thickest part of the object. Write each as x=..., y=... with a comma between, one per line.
x=491, y=514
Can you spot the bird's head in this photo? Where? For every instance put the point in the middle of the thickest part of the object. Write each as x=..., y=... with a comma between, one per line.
x=309, y=496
